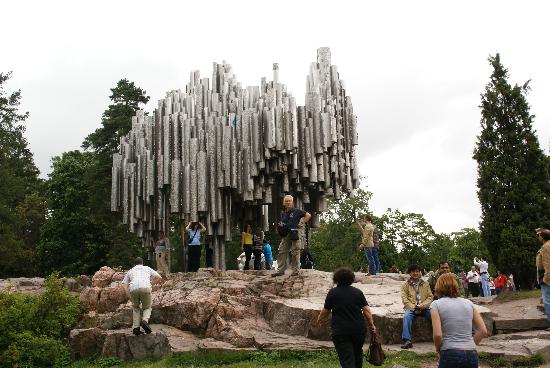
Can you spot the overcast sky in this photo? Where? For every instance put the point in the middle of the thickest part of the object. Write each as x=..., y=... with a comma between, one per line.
x=414, y=71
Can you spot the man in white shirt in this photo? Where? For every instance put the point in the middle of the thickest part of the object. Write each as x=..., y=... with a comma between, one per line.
x=473, y=282
x=483, y=267
x=138, y=281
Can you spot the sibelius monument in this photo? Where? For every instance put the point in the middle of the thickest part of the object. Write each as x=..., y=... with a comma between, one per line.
x=224, y=155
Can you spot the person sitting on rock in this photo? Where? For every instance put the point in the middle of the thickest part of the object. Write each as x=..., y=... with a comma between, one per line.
x=417, y=297
x=138, y=281
x=444, y=267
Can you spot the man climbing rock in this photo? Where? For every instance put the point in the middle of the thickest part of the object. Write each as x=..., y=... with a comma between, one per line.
x=138, y=283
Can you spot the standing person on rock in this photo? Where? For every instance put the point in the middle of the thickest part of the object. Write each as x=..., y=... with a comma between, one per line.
x=350, y=311
x=247, y=240
x=500, y=282
x=376, y=249
x=138, y=284
x=543, y=269
x=257, y=248
x=268, y=255
x=367, y=242
x=452, y=320
x=292, y=220
x=473, y=281
x=161, y=254
x=416, y=296
x=194, y=230
x=483, y=274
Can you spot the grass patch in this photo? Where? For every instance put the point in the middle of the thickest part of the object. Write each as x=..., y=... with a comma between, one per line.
x=517, y=295
x=531, y=361
x=263, y=359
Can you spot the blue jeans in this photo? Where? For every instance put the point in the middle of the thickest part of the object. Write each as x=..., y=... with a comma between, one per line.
x=369, y=253
x=485, y=284
x=408, y=319
x=545, y=289
x=454, y=358
x=375, y=251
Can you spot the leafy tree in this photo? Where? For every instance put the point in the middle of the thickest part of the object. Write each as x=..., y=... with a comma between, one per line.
x=74, y=240
x=467, y=244
x=19, y=186
x=334, y=243
x=411, y=236
x=82, y=234
x=513, y=176
x=116, y=122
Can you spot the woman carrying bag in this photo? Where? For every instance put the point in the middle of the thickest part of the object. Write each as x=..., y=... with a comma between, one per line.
x=350, y=312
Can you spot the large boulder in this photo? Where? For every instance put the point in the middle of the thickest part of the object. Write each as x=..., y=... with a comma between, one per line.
x=103, y=277
x=121, y=344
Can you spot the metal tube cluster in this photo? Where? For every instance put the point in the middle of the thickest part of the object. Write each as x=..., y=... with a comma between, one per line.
x=226, y=155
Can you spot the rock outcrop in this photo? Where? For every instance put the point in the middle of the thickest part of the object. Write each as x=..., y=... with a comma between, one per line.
x=240, y=310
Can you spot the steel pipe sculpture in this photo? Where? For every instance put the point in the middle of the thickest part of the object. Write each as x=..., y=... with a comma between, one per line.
x=225, y=155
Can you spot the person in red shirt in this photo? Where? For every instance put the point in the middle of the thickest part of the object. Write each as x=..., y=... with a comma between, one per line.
x=500, y=282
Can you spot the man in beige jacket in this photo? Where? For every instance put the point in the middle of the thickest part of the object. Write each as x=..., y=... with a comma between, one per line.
x=543, y=269
x=367, y=242
x=417, y=297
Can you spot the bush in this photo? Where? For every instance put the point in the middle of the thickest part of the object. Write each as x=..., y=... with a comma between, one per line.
x=28, y=350
x=33, y=326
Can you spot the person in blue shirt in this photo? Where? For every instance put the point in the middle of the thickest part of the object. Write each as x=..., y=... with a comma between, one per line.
x=194, y=230
x=268, y=256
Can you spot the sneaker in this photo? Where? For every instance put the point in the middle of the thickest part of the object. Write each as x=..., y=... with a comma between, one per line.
x=146, y=327
x=407, y=345
x=278, y=273
x=547, y=329
x=136, y=331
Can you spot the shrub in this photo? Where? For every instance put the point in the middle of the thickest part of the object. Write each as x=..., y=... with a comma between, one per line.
x=28, y=350
x=33, y=326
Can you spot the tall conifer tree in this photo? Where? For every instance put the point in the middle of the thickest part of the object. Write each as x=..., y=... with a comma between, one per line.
x=513, y=177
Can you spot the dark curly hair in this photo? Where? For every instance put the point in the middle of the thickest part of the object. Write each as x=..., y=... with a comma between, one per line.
x=413, y=267
x=343, y=276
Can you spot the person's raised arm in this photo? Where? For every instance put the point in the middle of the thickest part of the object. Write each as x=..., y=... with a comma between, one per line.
x=436, y=329
x=203, y=228
x=476, y=262
x=188, y=226
x=481, y=329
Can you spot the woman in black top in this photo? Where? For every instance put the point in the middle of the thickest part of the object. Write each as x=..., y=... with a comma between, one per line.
x=349, y=311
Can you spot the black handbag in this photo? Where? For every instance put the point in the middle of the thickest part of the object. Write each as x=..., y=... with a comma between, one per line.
x=376, y=354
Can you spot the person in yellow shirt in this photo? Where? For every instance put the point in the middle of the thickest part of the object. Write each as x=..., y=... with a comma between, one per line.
x=246, y=245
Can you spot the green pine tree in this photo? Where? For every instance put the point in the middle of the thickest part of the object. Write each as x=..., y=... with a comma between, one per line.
x=513, y=177
x=21, y=203
x=82, y=234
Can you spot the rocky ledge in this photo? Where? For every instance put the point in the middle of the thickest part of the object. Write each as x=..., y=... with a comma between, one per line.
x=238, y=310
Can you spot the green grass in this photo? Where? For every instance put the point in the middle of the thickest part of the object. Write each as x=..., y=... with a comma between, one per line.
x=517, y=295
x=287, y=359
x=503, y=362
x=321, y=359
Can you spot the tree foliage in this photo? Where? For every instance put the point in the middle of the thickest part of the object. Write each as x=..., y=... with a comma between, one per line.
x=33, y=327
x=21, y=204
x=513, y=176
x=82, y=234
